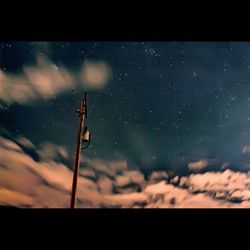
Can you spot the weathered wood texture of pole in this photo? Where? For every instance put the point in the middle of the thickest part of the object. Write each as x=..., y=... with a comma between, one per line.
x=82, y=113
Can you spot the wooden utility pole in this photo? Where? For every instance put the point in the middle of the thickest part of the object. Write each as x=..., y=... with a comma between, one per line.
x=82, y=114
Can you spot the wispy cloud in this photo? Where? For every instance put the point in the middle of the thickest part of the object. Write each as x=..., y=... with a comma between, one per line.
x=45, y=80
x=198, y=165
x=246, y=150
x=49, y=151
x=95, y=75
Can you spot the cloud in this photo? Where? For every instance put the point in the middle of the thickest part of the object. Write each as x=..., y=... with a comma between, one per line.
x=159, y=188
x=14, y=198
x=25, y=182
x=87, y=172
x=105, y=185
x=45, y=183
x=129, y=181
x=198, y=165
x=207, y=190
x=125, y=200
x=50, y=150
x=157, y=176
x=46, y=80
x=107, y=167
x=168, y=196
x=9, y=145
x=95, y=74
x=219, y=181
x=129, y=177
x=241, y=195
x=25, y=142
x=43, y=80
x=245, y=150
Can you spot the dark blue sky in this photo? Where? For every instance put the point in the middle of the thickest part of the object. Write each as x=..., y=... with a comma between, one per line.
x=168, y=103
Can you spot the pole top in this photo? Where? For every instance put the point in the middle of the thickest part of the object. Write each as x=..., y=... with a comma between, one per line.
x=83, y=108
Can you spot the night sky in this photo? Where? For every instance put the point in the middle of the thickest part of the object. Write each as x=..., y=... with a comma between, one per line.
x=166, y=104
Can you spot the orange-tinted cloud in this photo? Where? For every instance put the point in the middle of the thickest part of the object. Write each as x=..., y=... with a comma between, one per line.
x=45, y=80
x=198, y=165
x=25, y=182
x=95, y=75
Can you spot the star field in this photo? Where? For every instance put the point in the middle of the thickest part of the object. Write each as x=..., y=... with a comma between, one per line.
x=167, y=101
